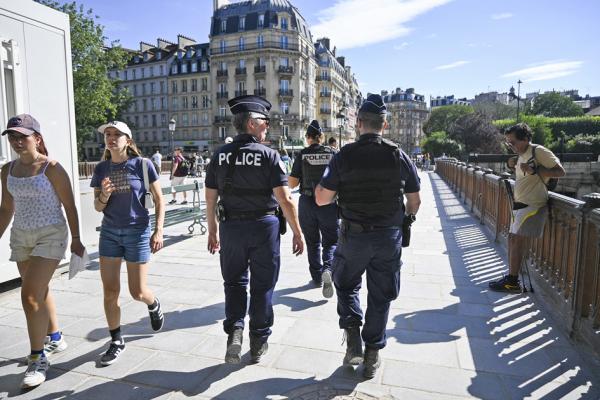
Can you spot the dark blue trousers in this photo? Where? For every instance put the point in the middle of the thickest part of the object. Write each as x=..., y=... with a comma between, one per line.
x=320, y=226
x=378, y=253
x=250, y=247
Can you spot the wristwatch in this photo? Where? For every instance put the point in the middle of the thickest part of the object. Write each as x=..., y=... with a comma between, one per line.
x=411, y=217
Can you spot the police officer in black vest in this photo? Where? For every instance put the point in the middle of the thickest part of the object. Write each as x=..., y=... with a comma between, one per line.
x=245, y=183
x=320, y=225
x=370, y=177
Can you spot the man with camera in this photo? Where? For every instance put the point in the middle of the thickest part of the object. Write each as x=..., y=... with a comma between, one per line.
x=534, y=167
x=371, y=177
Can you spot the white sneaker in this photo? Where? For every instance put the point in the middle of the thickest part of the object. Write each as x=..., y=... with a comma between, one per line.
x=55, y=346
x=36, y=372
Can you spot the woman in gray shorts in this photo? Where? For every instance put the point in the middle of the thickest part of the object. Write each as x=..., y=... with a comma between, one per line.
x=34, y=190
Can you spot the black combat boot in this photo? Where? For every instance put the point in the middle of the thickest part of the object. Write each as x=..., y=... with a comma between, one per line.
x=234, y=346
x=354, y=351
x=371, y=362
x=257, y=349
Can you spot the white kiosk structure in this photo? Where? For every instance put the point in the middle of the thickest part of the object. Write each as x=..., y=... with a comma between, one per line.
x=36, y=78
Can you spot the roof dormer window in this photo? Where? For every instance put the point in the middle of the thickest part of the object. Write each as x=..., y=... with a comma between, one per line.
x=223, y=26
x=242, y=23
x=261, y=20
x=159, y=55
x=284, y=23
x=146, y=56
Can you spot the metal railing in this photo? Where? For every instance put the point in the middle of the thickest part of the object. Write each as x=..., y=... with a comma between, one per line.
x=565, y=261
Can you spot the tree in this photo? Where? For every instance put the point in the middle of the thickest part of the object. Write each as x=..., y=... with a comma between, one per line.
x=442, y=118
x=97, y=97
x=477, y=133
x=555, y=105
x=495, y=110
x=439, y=143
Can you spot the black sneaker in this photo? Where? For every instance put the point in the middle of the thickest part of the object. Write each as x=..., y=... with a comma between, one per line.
x=371, y=362
x=506, y=284
x=234, y=346
x=257, y=349
x=114, y=351
x=157, y=319
x=354, y=351
x=173, y=201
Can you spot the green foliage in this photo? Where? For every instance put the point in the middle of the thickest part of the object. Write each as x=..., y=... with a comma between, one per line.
x=439, y=143
x=549, y=130
x=97, y=97
x=495, y=110
x=442, y=118
x=555, y=105
x=584, y=144
x=477, y=133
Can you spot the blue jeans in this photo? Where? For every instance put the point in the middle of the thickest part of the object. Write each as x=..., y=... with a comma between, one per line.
x=378, y=253
x=131, y=243
x=320, y=226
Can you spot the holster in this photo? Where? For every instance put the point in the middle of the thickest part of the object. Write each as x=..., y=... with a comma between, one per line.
x=282, y=221
x=221, y=213
x=406, y=232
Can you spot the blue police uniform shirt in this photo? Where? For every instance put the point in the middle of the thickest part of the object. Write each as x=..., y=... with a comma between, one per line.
x=331, y=181
x=126, y=204
x=257, y=167
x=297, y=167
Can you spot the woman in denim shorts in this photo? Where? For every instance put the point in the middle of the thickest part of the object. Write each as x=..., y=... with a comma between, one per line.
x=34, y=190
x=119, y=192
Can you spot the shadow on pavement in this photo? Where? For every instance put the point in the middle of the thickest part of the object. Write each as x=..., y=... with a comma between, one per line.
x=517, y=353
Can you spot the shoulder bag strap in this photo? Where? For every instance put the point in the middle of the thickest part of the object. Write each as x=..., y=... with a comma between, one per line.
x=145, y=172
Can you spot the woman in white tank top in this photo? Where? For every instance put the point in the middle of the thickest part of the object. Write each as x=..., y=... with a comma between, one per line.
x=34, y=190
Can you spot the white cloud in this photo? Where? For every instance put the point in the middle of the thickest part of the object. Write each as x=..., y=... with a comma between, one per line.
x=545, y=71
x=401, y=46
x=356, y=23
x=452, y=65
x=504, y=15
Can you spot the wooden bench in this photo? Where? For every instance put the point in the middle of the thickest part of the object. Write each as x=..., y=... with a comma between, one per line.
x=196, y=212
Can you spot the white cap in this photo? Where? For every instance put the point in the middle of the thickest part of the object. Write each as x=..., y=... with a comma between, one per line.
x=228, y=139
x=118, y=125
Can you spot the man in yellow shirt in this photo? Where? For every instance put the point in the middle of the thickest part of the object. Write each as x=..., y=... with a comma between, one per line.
x=534, y=166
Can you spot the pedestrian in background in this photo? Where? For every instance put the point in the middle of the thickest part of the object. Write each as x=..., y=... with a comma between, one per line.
x=157, y=161
x=534, y=166
x=369, y=177
x=249, y=182
x=179, y=170
x=332, y=142
x=320, y=224
x=34, y=190
x=120, y=194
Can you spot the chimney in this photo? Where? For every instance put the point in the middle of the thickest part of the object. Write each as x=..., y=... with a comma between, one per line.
x=145, y=46
x=215, y=5
x=334, y=49
x=342, y=61
x=326, y=42
x=162, y=43
x=183, y=41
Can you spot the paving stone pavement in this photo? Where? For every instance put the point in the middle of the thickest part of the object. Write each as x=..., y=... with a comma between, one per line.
x=448, y=336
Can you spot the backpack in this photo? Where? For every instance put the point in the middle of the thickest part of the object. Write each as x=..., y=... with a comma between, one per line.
x=183, y=169
x=552, y=182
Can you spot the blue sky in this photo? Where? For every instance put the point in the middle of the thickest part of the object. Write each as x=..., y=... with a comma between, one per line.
x=438, y=47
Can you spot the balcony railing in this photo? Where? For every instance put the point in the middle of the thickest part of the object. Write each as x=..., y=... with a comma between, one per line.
x=218, y=50
x=222, y=95
x=222, y=119
x=286, y=92
x=260, y=92
x=325, y=111
x=285, y=70
x=563, y=262
x=260, y=69
x=323, y=94
x=323, y=78
x=240, y=71
x=241, y=93
x=222, y=72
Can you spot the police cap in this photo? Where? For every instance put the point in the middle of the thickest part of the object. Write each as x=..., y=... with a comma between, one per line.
x=314, y=129
x=373, y=104
x=249, y=103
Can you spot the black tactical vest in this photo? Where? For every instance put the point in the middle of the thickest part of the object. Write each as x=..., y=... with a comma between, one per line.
x=372, y=177
x=315, y=160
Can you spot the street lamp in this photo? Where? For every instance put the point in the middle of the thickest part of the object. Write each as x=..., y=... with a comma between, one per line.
x=512, y=95
x=341, y=118
x=282, y=135
x=172, y=126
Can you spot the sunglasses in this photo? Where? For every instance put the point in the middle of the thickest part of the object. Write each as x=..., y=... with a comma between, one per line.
x=267, y=120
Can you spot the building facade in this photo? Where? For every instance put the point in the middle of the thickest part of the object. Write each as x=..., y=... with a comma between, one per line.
x=440, y=101
x=407, y=113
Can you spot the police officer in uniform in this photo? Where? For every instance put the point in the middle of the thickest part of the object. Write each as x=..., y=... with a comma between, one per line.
x=245, y=183
x=319, y=225
x=370, y=177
